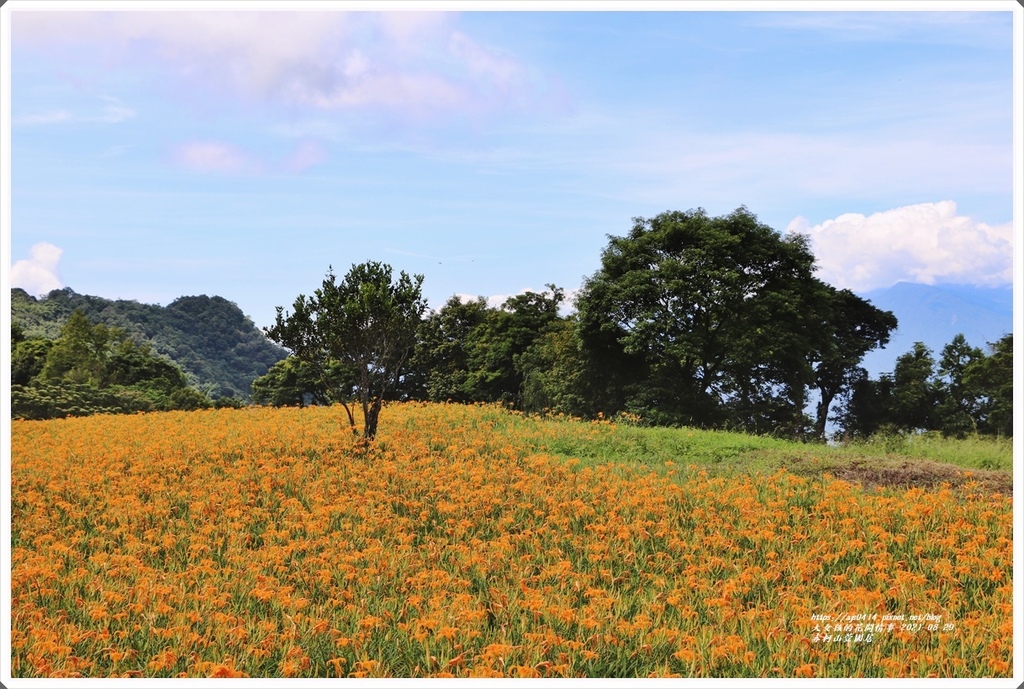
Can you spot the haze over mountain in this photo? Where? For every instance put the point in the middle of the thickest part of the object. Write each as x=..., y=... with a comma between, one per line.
x=935, y=314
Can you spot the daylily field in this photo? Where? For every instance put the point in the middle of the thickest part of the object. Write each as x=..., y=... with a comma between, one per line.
x=470, y=541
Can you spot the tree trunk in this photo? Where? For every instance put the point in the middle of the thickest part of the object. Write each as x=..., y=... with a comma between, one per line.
x=822, y=412
x=371, y=416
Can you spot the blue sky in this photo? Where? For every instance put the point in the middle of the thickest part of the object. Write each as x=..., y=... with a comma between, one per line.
x=166, y=153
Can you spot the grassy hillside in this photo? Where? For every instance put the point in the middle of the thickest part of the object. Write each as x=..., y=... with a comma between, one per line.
x=217, y=346
x=467, y=541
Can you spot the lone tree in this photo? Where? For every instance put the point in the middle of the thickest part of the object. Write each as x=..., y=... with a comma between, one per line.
x=366, y=323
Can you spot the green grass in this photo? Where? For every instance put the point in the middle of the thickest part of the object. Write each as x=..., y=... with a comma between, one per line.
x=915, y=459
x=971, y=453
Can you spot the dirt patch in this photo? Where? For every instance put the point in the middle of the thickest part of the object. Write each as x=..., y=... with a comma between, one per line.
x=915, y=474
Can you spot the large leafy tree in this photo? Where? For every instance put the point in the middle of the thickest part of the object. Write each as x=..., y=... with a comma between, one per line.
x=367, y=322
x=964, y=392
x=80, y=354
x=959, y=403
x=915, y=394
x=865, y=405
x=854, y=327
x=505, y=336
x=558, y=376
x=28, y=358
x=715, y=316
x=991, y=376
x=444, y=346
x=468, y=351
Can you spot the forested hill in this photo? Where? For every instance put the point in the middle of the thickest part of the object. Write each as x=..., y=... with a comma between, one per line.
x=218, y=346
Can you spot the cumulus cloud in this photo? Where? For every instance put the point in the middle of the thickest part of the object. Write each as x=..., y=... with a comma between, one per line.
x=38, y=274
x=494, y=301
x=926, y=243
x=404, y=62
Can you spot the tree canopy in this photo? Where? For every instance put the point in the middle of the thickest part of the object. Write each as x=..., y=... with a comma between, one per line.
x=92, y=367
x=367, y=322
x=722, y=321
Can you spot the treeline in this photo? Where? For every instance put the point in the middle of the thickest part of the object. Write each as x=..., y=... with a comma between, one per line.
x=94, y=368
x=525, y=355
x=966, y=391
x=691, y=320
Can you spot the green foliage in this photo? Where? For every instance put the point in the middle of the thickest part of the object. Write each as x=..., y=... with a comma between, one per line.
x=865, y=406
x=444, y=345
x=216, y=345
x=365, y=323
x=93, y=368
x=958, y=405
x=914, y=394
x=189, y=399
x=719, y=322
x=469, y=352
x=555, y=371
x=28, y=358
x=53, y=400
x=991, y=379
x=219, y=345
x=17, y=335
x=963, y=394
x=855, y=327
x=293, y=382
x=133, y=364
x=502, y=338
x=79, y=355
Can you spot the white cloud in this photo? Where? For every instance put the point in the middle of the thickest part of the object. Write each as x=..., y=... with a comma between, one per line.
x=112, y=113
x=926, y=243
x=38, y=274
x=48, y=117
x=306, y=155
x=214, y=156
x=408, y=63
x=228, y=159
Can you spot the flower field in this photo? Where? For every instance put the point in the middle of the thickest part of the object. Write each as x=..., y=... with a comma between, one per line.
x=270, y=543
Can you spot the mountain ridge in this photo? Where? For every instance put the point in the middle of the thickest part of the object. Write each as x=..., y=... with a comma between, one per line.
x=935, y=314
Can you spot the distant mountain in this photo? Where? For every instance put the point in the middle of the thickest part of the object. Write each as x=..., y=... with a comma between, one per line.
x=935, y=314
x=218, y=346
